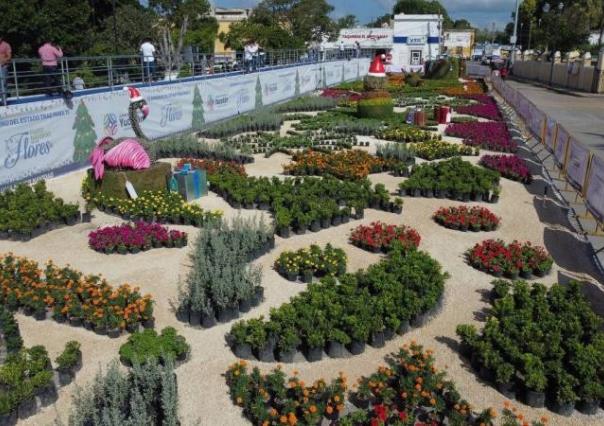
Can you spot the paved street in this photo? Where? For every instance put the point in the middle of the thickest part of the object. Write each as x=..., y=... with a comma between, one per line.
x=582, y=114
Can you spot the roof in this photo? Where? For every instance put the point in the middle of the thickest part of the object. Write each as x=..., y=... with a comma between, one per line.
x=423, y=17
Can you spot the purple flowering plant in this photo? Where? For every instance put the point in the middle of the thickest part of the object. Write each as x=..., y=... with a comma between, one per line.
x=135, y=237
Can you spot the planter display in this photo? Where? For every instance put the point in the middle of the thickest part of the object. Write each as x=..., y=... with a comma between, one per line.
x=409, y=389
x=435, y=150
x=138, y=235
x=252, y=122
x=147, y=345
x=453, y=178
x=493, y=136
x=543, y=342
x=65, y=291
x=486, y=108
x=509, y=166
x=221, y=282
x=29, y=211
x=212, y=166
x=314, y=261
x=463, y=218
x=190, y=147
x=379, y=236
x=308, y=103
x=359, y=308
x=497, y=258
x=403, y=133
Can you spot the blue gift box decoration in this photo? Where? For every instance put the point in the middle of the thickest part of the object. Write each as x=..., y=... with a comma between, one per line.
x=190, y=183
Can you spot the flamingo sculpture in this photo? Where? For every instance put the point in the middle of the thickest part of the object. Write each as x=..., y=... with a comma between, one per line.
x=128, y=153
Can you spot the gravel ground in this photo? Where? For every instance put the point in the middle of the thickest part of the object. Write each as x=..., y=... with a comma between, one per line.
x=203, y=393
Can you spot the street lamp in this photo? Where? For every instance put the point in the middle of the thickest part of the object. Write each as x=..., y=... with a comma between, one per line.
x=514, y=39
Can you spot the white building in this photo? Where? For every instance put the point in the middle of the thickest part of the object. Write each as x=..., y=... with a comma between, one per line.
x=416, y=39
x=368, y=38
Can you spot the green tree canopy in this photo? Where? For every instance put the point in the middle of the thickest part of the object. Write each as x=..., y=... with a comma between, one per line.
x=423, y=7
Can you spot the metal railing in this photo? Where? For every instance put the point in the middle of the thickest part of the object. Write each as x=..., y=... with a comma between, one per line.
x=25, y=77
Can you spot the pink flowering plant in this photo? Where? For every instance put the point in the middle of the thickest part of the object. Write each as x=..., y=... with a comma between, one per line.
x=491, y=135
x=134, y=237
x=509, y=166
x=485, y=108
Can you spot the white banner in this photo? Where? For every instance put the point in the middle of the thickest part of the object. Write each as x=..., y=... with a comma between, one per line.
x=368, y=38
x=595, y=189
x=47, y=138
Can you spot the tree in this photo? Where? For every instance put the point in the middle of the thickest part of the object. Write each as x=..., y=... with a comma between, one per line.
x=85, y=137
x=462, y=24
x=259, y=102
x=348, y=21
x=379, y=22
x=423, y=7
x=198, y=118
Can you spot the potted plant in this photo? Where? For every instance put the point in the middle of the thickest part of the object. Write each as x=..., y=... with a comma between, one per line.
x=262, y=347
x=336, y=343
x=534, y=381
x=398, y=205
x=68, y=362
x=314, y=346
x=283, y=220
x=240, y=343
x=287, y=344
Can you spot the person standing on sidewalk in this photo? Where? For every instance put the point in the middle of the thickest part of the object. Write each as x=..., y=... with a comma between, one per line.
x=6, y=54
x=148, y=51
x=49, y=54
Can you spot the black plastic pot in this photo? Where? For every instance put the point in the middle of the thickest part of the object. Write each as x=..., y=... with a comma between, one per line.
x=403, y=328
x=65, y=377
x=362, y=403
x=227, y=314
x=208, y=319
x=345, y=219
x=487, y=374
x=588, y=406
x=284, y=232
x=8, y=419
x=243, y=350
x=564, y=408
x=300, y=230
x=149, y=323
x=86, y=217
x=313, y=354
x=265, y=353
x=48, y=394
x=526, y=275
x=258, y=296
x=359, y=214
x=315, y=226
x=335, y=349
x=40, y=315
x=291, y=276
x=75, y=321
x=534, y=399
x=418, y=320
x=356, y=347
x=336, y=220
x=325, y=223
x=475, y=361
x=494, y=198
x=286, y=356
x=389, y=334
x=377, y=340
x=114, y=333
x=194, y=318
x=27, y=408
x=307, y=276
x=244, y=306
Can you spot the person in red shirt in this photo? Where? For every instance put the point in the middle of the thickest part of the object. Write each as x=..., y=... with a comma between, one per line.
x=49, y=55
x=6, y=54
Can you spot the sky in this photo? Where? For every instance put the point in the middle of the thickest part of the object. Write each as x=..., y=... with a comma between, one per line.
x=481, y=13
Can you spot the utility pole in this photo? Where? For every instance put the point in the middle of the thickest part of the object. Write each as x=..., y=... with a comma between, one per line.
x=114, y=28
x=514, y=39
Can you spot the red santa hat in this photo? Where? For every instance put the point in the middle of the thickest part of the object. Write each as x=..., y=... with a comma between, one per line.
x=376, y=69
x=135, y=95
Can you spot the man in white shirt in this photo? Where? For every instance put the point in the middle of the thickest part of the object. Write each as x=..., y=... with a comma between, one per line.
x=342, y=49
x=148, y=52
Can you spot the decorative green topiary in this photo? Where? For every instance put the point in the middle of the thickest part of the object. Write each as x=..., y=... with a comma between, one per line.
x=374, y=83
x=375, y=107
x=114, y=182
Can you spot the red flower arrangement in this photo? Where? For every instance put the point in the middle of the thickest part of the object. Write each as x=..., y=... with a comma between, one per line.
x=379, y=236
x=498, y=258
x=493, y=136
x=486, y=107
x=341, y=94
x=464, y=218
x=212, y=167
x=135, y=237
x=509, y=166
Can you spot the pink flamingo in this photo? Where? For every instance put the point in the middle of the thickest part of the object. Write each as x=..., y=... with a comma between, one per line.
x=129, y=153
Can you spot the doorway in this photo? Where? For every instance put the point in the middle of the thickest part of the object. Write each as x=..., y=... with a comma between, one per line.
x=416, y=57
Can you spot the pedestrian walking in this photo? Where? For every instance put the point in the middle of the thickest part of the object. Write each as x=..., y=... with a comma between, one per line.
x=342, y=49
x=148, y=52
x=6, y=54
x=49, y=55
x=321, y=51
x=357, y=48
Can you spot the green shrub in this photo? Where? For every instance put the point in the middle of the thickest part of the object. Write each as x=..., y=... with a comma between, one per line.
x=9, y=328
x=144, y=395
x=307, y=103
x=113, y=183
x=190, y=146
x=147, y=345
x=70, y=357
x=257, y=121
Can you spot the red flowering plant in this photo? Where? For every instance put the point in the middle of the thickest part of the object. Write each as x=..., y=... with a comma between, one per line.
x=485, y=108
x=212, y=167
x=134, y=237
x=341, y=94
x=463, y=218
x=498, y=258
x=378, y=236
x=493, y=136
x=509, y=166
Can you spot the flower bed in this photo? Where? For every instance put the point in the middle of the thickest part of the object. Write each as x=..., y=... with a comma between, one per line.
x=486, y=108
x=409, y=390
x=303, y=203
x=401, y=156
x=341, y=122
x=342, y=315
x=406, y=133
x=463, y=218
x=71, y=296
x=221, y=283
x=493, y=136
x=257, y=121
x=309, y=103
x=28, y=211
x=498, y=258
x=163, y=206
x=145, y=346
x=379, y=236
x=438, y=149
x=468, y=88
x=455, y=179
x=341, y=94
x=190, y=146
x=269, y=144
x=540, y=345
x=350, y=164
x=134, y=237
x=313, y=261
x=509, y=166
x=213, y=166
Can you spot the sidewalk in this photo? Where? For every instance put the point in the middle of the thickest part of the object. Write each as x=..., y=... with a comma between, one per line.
x=582, y=114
